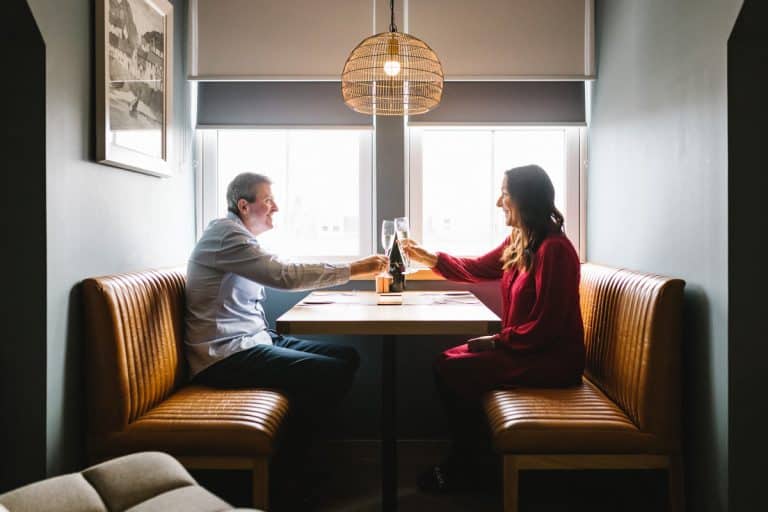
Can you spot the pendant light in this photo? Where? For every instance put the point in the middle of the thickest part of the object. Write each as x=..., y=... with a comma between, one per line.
x=392, y=74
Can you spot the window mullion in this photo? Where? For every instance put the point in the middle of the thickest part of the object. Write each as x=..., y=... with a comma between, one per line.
x=368, y=229
x=493, y=185
x=210, y=180
x=572, y=201
x=416, y=185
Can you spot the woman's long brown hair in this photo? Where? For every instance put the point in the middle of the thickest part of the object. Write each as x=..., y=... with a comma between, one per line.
x=530, y=188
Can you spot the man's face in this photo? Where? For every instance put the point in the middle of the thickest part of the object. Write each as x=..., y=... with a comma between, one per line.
x=257, y=215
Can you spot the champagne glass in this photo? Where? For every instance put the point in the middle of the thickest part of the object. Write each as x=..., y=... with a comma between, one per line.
x=402, y=228
x=387, y=236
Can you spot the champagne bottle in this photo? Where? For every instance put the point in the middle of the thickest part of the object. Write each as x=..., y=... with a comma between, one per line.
x=396, y=269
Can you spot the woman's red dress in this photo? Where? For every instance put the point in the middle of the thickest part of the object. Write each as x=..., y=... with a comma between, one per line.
x=541, y=343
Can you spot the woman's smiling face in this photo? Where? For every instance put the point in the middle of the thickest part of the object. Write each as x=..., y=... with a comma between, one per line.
x=508, y=206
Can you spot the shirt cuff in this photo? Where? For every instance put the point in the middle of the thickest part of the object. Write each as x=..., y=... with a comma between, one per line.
x=345, y=272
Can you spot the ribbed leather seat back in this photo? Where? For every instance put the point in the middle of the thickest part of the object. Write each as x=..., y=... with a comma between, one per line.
x=632, y=336
x=134, y=348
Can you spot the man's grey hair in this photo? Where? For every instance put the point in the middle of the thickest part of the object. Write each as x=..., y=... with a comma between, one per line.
x=242, y=187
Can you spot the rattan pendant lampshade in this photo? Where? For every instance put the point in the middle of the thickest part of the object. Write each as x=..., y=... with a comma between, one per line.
x=392, y=74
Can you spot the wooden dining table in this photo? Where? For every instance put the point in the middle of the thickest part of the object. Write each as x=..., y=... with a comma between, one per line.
x=421, y=313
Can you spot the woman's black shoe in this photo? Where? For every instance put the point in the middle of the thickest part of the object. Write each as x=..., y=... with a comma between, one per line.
x=436, y=479
x=458, y=475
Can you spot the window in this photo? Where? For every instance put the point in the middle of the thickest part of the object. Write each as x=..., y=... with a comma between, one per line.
x=455, y=177
x=321, y=181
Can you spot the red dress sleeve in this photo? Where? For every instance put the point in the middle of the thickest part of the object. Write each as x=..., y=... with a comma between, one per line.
x=471, y=270
x=556, y=280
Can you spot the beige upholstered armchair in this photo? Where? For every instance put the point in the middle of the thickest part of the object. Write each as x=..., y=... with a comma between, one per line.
x=141, y=482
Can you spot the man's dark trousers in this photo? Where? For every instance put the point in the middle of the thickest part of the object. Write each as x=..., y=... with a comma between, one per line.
x=313, y=375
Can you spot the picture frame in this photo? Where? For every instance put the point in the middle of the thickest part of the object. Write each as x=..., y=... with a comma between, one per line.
x=134, y=85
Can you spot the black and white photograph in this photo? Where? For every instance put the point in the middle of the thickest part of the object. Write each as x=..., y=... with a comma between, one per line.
x=136, y=46
x=136, y=98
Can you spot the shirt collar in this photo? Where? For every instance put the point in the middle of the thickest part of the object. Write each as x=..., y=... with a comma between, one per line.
x=235, y=217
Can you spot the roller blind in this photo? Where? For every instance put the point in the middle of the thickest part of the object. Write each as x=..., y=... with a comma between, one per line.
x=547, y=103
x=512, y=39
x=321, y=104
x=306, y=40
x=274, y=104
x=276, y=39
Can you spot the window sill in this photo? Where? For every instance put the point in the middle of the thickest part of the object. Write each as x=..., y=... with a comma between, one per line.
x=425, y=274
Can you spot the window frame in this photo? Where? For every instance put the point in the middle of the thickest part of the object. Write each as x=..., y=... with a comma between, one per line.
x=208, y=197
x=575, y=170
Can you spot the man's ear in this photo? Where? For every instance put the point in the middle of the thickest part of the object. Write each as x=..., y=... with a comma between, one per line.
x=241, y=204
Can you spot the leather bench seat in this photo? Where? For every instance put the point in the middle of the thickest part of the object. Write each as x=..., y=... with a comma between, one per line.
x=571, y=420
x=138, y=389
x=227, y=422
x=626, y=412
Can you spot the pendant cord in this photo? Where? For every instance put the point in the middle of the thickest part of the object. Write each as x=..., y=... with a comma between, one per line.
x=392, y=26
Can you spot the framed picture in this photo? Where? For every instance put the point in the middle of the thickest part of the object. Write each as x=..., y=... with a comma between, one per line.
x=134, y=49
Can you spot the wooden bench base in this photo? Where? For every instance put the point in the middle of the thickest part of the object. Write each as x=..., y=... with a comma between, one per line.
x=515, y=463
x=259, y=467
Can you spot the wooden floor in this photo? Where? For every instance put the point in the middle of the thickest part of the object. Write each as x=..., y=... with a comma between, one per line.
x=347, y=479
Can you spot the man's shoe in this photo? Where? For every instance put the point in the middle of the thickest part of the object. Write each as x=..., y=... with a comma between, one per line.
x=456, y=474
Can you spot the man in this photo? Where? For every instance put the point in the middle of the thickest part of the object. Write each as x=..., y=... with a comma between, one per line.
x=227, y=339
x=227, y=336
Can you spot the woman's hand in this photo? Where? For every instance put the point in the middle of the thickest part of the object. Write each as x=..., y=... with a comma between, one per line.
x=371, y=265
x=418, y=254
x=481, y=344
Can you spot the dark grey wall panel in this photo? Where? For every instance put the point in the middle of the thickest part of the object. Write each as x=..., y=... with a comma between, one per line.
x=22, y=258
x=509, y=102
x=747, y=277
x=389, y=170
x=274, y=103
x=657, y=191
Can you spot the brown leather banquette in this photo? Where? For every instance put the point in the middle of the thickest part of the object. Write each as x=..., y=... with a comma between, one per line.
x=137, y=392
x=626, y=413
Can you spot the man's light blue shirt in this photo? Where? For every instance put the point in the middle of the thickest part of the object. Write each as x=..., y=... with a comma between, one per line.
x=226, y=278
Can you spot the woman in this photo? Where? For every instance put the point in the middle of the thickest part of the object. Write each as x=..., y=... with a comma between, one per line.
x=541, y=343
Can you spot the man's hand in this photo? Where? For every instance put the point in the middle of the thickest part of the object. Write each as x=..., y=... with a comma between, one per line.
x=371, y=265
x=418, y=254
x=481, y=344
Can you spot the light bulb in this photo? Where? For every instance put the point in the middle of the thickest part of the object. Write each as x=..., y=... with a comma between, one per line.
x=391, y=67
